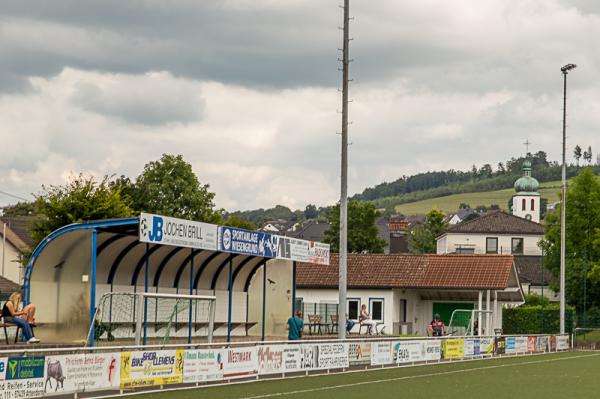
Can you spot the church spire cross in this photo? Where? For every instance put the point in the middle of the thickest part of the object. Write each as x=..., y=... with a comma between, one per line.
x=527, y=143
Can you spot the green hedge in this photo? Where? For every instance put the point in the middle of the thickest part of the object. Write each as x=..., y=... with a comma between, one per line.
x=535, y=320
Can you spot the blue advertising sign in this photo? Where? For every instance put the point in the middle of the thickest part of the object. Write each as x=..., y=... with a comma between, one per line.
x=247, y=242
x=25, y=367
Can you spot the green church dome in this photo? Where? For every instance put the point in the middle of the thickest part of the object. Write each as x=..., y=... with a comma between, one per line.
x=527, y=183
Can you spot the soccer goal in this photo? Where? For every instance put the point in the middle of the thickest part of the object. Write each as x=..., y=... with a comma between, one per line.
x=467, y=321
x=122, y=316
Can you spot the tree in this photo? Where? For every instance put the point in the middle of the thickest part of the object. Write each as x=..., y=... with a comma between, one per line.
x=582, y=240
x=310, y=212
x=81, y=199
x=362, y=231
x=464, y=205
x=501, y=169
x=236, y=221
x=422, y=238
x=169, y=187
x=587, y=155
x=19, y=209
x=577, y=153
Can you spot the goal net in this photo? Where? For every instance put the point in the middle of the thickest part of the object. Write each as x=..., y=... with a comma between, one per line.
x=122, y=316
x=586, y=338
x=467, y=322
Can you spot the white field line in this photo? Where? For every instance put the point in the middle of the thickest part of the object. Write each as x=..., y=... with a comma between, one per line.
x=411, y=377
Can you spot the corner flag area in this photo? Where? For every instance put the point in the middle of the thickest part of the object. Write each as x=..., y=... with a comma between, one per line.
x=558, y=375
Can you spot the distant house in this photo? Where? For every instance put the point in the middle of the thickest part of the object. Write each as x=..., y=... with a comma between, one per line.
x=460, y=216
x=535, y=279
x=403, y=292
x=312, y=230
x=17, y=242
x=280, y=226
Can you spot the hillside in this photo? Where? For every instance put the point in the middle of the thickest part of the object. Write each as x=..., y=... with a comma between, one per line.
x=450, y=203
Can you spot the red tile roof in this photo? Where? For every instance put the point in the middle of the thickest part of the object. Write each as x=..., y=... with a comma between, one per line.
x=411, y=271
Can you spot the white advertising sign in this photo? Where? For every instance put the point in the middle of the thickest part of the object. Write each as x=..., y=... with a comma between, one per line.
x=310, y=356
x=469, y=348
x=562, y=342
x=510, y=345
x=521, y=344
x=359, y=353
x=409, y=351
x=200, y=365
x=23, y=377
x=381, y=353
x=333, y=356
x=156, y=229
x=82, y=372
x=432, y=350
x=303, y=251
x=292, y=358
x=270, y=359
x=240, y=362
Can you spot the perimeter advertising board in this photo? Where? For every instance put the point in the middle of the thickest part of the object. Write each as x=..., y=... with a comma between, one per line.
x=472, y=347
x=521, y=344
x=201, y=365
x=359, y=353
x=500, y=345
x=240, y=362
x=247, y=242
x=562, y=342
x=542, y=344
x=151, y=368
x=381, y=353
x=299, y=250
x=531, y=344
x=310, y=356
x=454, y=349
x=156, y=229
x=432, y=350
x=486, y=345
x=274, y=359
x=22, y=377
x=408, y=351
x=510, y=346
x=82, y=372
x=332, y=356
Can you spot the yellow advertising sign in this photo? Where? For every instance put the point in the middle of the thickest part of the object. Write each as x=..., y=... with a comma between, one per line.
x=151, y=368
x=454, y=349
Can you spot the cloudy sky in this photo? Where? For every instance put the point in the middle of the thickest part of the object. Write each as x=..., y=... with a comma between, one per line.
x=247, y=90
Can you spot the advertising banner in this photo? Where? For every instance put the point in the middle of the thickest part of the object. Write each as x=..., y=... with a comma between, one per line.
x=510, y=345
x=156, y=229
x=521, y=344
x=499, y=345
x=486, y=345
x=247, y=242
x=270, y=359
x=562, y=342
x=310, y=356
x=552, y=343
x=542, y=344
x=472, y=347
x=532, y=344
x=82, y=372
x=454, y=349
x=22, y=377
x=432, y=350
x=240, y=362
x=381, y=353
x=359, y=353
x=292, y=358
x=151, y=368
x=409, y=351
x=200, y=365
x=333, y=356
x=303, y=251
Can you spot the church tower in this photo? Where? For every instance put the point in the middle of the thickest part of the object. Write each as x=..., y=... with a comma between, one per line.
x=526, y=202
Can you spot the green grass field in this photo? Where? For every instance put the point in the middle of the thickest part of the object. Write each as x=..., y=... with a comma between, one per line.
x=450, y=203
x=560, y=375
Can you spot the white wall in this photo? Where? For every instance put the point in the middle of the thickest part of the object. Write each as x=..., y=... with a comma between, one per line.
x=527, y=213
x=449, y=242
x=12, y=264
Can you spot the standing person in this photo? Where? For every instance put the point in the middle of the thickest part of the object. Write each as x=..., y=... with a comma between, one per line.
x=295, y=326
x=437, y=328
x=24, y=318
x=365, y=319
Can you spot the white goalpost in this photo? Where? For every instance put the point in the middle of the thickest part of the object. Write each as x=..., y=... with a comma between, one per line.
x=469, y=321
x=122, y=316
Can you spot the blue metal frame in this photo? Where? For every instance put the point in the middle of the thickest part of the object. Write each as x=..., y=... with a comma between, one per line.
x=146, y=291
x=183, y=264
x=59, y=232
x=230, y=258
x=93, y=285
x=293, y=288
x=191, y=293
x=229, y=310
x=264, y=299
x=203, y=266
x=141, y=262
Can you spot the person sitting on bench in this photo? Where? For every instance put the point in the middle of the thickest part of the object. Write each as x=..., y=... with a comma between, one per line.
x=24, y=318
x=365, y=320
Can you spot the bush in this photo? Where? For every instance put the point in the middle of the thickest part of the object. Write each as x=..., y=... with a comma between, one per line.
x=535, y=320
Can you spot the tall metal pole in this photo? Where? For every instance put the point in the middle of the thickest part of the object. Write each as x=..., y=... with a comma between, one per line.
x=3, y=247
x=563, y=206
x=343, y=258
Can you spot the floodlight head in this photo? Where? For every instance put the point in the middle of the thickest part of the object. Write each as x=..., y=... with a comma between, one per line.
x=568, y=67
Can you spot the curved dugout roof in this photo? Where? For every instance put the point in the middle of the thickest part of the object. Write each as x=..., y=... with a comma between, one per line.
x=121, y=260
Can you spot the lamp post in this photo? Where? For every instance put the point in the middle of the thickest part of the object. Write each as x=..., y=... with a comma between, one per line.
x=563, y=206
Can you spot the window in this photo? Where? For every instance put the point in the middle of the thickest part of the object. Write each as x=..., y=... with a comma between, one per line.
x=533, y=204
x=524, y=205
x=517, y=246
x=353, y=309
x=491, y=245
x=376, y=310
x=463, y=250
x=299, y=305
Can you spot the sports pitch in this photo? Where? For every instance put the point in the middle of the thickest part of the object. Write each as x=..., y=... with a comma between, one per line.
x=560, y=375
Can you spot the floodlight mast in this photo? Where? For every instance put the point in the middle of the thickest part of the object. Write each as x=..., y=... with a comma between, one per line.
x=343, y=257
x=563, y=206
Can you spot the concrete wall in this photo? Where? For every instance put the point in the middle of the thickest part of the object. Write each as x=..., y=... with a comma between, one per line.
x=13, y=269
x=450, y=242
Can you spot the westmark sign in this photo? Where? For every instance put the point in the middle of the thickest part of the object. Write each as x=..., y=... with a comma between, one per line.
x=156, y=229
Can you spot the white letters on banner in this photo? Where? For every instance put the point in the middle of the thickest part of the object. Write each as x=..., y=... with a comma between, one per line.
x=359, y=353
x=381, y=353
x=240, y=362
x=562, y=342
x=432, y=350
x=82, y=372
x=409, y=351
x=333, y=356
x=156, y=229
x=202, y=365
x=521, y=344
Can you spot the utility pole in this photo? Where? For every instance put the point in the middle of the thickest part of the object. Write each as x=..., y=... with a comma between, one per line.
x=343, y=258
x=563, y=204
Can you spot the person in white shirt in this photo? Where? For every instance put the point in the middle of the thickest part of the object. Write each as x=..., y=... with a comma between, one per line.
x=365, y=319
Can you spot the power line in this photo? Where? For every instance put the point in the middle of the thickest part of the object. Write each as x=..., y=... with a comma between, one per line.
x=14, y=196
